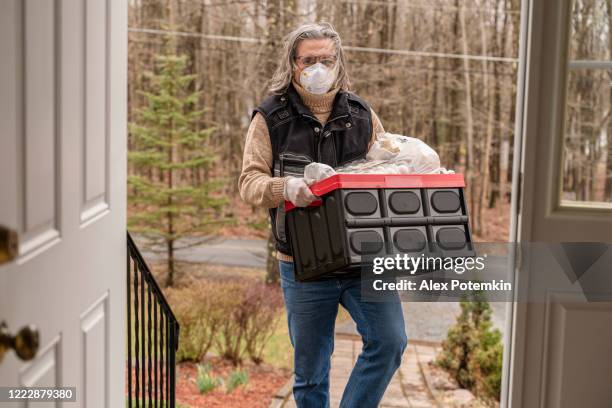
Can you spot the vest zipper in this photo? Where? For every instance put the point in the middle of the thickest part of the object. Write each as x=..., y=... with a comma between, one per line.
x=317, y=138
x=326, y=135
x=325, y=132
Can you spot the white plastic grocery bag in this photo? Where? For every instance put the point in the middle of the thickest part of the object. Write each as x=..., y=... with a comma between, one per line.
x=389, y=154
x=400, y=150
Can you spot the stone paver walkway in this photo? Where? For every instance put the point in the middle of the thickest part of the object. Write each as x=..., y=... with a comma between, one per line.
x=407, y=388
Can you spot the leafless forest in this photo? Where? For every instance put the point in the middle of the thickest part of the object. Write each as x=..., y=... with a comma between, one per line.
x=444, y=71
x=587, y=164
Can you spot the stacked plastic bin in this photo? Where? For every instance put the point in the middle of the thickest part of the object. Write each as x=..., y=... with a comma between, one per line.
x=359, y=215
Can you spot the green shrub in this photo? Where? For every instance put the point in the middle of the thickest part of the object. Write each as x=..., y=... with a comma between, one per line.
x=235, y=379
x=486, y=365
x=206, y=381
x=472, y=351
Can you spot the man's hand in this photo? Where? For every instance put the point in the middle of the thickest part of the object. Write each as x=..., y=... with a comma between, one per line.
x=298, y=192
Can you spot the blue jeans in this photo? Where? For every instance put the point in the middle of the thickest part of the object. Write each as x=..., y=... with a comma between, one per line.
x=311, y=313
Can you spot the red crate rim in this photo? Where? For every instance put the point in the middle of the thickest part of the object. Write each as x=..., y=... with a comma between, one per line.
x=382, y=181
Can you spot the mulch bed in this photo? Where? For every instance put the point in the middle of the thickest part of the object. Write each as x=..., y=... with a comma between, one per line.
x=264, y=382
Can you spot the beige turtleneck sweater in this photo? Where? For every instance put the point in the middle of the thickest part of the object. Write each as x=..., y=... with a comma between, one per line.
x=256, y=184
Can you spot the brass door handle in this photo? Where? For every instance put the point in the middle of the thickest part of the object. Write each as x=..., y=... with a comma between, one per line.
x=25, y=343
x=8, y=244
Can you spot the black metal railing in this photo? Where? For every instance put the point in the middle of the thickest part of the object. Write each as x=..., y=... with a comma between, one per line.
x=153, y=334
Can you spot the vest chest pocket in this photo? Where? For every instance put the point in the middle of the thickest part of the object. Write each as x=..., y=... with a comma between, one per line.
x=291, y=164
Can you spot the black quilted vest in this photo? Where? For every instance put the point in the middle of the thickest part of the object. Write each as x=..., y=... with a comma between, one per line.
x=298, y=138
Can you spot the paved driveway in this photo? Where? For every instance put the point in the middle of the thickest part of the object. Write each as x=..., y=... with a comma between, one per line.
x=249, y=253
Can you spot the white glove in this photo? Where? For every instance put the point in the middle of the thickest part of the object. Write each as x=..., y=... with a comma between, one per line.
x=314, y=172
x=298, y=192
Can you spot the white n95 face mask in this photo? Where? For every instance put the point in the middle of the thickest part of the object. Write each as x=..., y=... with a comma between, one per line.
x=318, y=79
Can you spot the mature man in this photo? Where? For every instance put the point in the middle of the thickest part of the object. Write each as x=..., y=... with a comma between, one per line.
x=311, y=116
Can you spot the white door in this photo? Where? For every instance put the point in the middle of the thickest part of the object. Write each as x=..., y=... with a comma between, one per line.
x=63, y=189
x=561, y=354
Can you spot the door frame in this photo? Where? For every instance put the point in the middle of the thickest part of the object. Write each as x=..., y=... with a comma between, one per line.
x=532, y=60
x=512, y=345
x=536, y=211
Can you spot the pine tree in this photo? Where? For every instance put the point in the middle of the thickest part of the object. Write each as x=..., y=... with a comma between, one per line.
x=472, y=351
x=168, y=151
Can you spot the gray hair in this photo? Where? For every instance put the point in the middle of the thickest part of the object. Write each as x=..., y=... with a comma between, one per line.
x=284, y=72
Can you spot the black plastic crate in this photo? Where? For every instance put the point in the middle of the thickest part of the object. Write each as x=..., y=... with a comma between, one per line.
x=390, y=214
